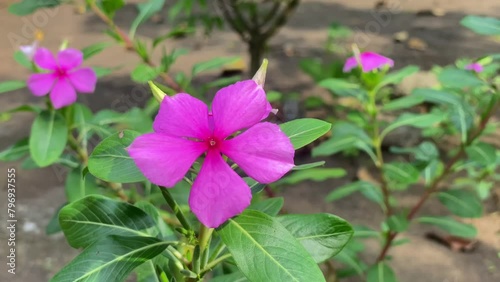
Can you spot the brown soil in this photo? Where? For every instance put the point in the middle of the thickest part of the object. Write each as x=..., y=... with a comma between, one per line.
x=40, y=191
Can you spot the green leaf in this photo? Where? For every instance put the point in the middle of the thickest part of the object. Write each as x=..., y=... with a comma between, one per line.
x=436, y=96
x=268, y=206
x=342, y=87
x=264, y=250
x=11, y=85
x=146, y=272
x=451, y=226
x=146, y=11
x=161, y=228
x=397, y=76
x=26, y=7
x=143, y=73
x=233, y=277
x=96, y=48
x=308, y=166
x=380, y=272
x=313, y=67
x=255, y=186
x=482, y=153
x=111, y=6
x=93, y=217
x=349, y=188
x=304, y=131
x=482, y=25
x=414, y=120
x=112, y=258
x=215, y=63
x=16, y=151
x=53, y=226
x=322, y=235
x=111, y=162
x=101, y=71
x=400, y=174
x=77, y=186
x=456, y=78
x=403, y=103
x=397, y=223
x=48, y=137
x=315, y=174
x=463, y=203
x=22, y=59
x=425, y=151
x=347, y=137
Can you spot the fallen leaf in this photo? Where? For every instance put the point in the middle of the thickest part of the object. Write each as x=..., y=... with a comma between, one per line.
x=417, y=44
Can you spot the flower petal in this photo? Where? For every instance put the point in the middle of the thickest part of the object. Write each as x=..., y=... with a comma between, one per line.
x=84, y=80
x=40, y=83
x=475, y=67
x=163, y=159
x=44, y=59
x=69, y=58
x=183, y=116
x=63, y=94
x=264, y=152
x=369, y=62
x=238, y=106
x=218, y=193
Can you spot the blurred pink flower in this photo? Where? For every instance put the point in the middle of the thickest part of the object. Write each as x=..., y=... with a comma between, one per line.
x=369, y=61
x=185, y=129
x=63, y=78
x=477, y=67
x=29, y=50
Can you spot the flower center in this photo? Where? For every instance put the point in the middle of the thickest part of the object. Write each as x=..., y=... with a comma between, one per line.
x=60, y=73
x=212, y=143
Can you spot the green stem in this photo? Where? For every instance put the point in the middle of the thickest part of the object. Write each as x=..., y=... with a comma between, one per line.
x=214, y=263
x=175, y=208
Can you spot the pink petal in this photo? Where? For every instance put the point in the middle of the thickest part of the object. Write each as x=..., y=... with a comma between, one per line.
x=369, y=61
x=475, y=67
x=84, y=80
x=183, y=116
x=264, y=152
x=44, y=59
x=238, y=106
x=69, y=58
x=218, y=193
x=163, y=159
x=63, y=94
x=40, y=83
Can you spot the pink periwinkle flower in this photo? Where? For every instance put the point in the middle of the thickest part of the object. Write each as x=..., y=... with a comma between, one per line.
x=185, y=128
x=477, y=67
x=369, y=61
x=64, y=77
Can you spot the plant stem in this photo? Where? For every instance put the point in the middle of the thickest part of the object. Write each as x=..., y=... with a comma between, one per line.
x=214, y=263
x=129, y=45
x=175, y=208
x=434, y=186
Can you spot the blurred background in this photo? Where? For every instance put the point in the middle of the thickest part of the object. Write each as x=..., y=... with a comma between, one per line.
x=424, y=33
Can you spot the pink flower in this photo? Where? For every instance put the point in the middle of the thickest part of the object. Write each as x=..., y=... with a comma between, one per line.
x=63, y=79
x=185, y=129
x=477, y=67
x=369, y=61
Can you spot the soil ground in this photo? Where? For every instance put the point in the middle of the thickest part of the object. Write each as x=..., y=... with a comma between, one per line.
x=40, y=192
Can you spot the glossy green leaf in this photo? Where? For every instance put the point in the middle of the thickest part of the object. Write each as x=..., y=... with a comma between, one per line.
x=380, y=272
x=16, y=151
x=48, y=137
x=93, y=217
x=77, y=186
x=101, y=71
x=111, y=6
x=414, y=120
x=304, y=131
x=11, y=85
x=255, y=186
x=308, y=166
x=451, y=226
x=143, y=73
x=314, y=174
x=161, y=229
x=347, y=137
x=233, y=277
x=403, y=103
x=322, y=235
x=270, y=206
x=146, y=272
x=457, y=78
x=482, y=153
x=26, y=7
x=22, y=59
x=348, y=189
x=482, y=25
x=264, y=250
x=212, y=64
x=146, y=11
x=463, y=203
x=342, y=87
x=110, y=161
x=396, y=77
x=313, y=67
x=112, y=258
x=400, y=174
x=96, y=48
